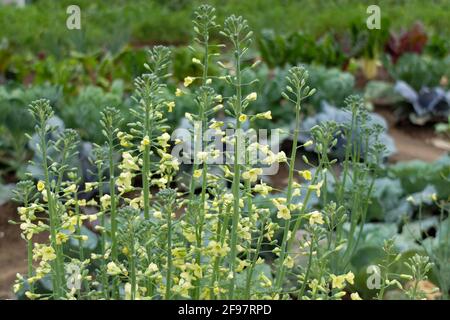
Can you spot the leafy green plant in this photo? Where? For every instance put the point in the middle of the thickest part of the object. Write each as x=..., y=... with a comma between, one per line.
x=208, y=238
x=279, y=50
x=334, y=85
x=416, y=175
x=83, y=112
x=418, y=71
x=15, y=122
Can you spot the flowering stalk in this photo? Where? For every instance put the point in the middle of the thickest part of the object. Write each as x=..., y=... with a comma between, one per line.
x=169, y=254
x=205, y=100
x=146, y=173
x=147, y=95
x=109, y=123
x=215, y=248
x=99, y=162
x=203, y=23
x=42, y=112
x=24, y=194
x=167, y=204
x=296, y=81
x=237, y=31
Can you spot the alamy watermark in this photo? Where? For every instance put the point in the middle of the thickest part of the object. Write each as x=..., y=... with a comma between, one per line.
x=73, y=22
x=374, y=280
x=374, y=19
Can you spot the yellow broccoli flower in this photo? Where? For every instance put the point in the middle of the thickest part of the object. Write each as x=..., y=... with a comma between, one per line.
x=316, y=187
x=163, y=139
x=283, y=212
x=350, y=277
x=315, y=217
x=105, y=201
x=355, y=296
x=338, y=282
x=243, y=118
x=252, y=174
x=40, y=185
x=170, y=105
x=288, y=262
x=263, y=189
x=145, y=141
x=251, y=97
x=188, y=81
x=112, y=269
x=179, y=92
x=306, y=174
x=197, y=174
x=48, y=253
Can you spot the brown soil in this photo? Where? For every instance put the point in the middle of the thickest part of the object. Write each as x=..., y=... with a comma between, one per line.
x=12, y=251
x=413, y=142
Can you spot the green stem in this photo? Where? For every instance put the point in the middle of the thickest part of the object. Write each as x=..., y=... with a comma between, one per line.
x=255, y=258
x=204, y=120
x=29, y=252
x=236, y=177
x=169, y=254
x=200, y=229
x=308, y=269
x=30, y=262
x=112, y=191
x=145, y=183
x=303, y=209
x=287, y=224
x=80, y=242
x=220, y=239
x=104, y=276
x=57, y=278
x=146, y=165
x=132, y=267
